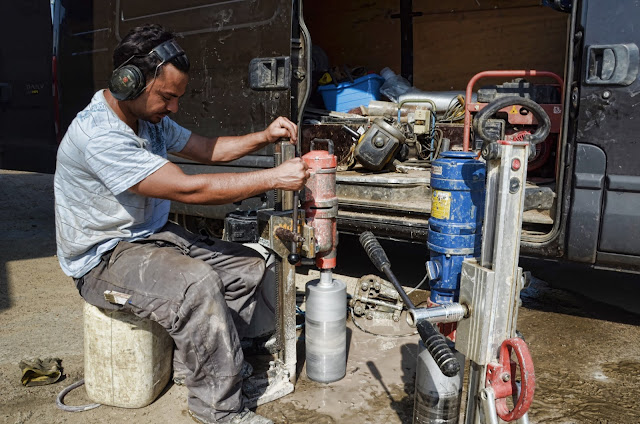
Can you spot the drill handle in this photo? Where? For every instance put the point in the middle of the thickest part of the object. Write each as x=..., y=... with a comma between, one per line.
x=438, y=348
x=375, y=252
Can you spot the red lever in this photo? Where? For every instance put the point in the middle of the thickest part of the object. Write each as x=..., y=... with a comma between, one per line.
x=502, y=378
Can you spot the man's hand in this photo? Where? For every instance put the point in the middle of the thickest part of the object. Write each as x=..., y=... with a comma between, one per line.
x=291, y=175
x=281, y=127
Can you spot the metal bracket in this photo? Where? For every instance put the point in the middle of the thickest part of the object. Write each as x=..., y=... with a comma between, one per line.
x=267, y=386
x=376, y=298
x=274, y=226
x=477, y=285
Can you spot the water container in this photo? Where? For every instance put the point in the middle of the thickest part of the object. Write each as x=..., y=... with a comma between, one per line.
x=127, y=360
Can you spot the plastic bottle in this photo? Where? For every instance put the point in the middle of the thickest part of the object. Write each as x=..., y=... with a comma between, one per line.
x=394, y=85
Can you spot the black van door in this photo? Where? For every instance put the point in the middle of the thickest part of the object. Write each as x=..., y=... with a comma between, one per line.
x=240, y=68
x=605, y=215
x=27, y=134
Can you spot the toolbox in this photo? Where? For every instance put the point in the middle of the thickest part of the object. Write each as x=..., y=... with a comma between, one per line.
x=348, y=95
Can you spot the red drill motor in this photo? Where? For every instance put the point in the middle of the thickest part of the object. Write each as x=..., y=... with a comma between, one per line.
x=326, y=298
x=321, y=202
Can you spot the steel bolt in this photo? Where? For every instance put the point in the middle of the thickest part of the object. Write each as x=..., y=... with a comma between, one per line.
x=574, y=97
x=506, y=377
x=606, y=94
x=514, y=185
x=364, y=286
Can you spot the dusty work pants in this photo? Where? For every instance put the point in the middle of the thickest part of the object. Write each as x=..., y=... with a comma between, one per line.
x=202, y=291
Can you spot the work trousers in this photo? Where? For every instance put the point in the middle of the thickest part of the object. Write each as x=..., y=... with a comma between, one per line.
x=202, y=291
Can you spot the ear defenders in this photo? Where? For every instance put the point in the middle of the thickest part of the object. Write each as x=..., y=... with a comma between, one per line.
x=128, y=81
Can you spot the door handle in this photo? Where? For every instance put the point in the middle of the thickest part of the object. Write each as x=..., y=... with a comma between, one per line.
x=612, y=64
x=270, y=73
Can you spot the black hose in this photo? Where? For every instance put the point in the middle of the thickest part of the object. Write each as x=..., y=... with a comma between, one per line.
x=60, y=404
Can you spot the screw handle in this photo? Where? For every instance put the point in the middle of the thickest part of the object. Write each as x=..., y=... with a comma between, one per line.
x=293, y=258
x=438, y=348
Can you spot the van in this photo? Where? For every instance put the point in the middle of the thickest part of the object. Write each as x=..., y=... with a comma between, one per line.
x=255, y=60
x=27, y=102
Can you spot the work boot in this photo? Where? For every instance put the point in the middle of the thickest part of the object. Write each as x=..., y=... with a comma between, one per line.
x=263, y=345
x=245, y=417
x=246, y=372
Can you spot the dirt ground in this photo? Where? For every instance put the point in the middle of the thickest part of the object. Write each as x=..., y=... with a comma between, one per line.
x=586, y=352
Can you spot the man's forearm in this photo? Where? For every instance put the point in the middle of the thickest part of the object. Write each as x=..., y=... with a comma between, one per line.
x=229, y=147
x=169, y=182
x=219, y=189
x=222, y=149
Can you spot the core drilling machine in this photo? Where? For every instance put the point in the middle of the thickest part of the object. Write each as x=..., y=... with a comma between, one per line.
x=474, y=276
x=295, y=234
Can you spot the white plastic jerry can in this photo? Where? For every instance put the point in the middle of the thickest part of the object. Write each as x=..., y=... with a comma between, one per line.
x=127, y=360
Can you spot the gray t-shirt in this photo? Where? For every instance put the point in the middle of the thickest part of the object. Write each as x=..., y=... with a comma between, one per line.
x=99, y=159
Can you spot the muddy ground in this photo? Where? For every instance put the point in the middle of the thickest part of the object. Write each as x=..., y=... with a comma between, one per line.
x=586, y=352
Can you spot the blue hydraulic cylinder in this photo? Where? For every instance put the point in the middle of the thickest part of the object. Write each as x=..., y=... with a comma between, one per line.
x=455, y=226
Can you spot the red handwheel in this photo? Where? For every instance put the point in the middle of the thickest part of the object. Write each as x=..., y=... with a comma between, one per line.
x=501, y=377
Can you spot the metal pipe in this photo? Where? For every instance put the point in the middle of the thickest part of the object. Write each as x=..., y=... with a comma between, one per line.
x=378, y=303
x=326, y=278
x=447, y=312
x=442, y=99
x=488, y=399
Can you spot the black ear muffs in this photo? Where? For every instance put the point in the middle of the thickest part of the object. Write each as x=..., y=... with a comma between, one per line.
x=128, y=82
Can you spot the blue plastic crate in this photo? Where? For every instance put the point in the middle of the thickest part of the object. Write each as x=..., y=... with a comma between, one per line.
x=346, y=95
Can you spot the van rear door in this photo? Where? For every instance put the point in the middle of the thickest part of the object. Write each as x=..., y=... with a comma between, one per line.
x=27, y=138
x=604, y=219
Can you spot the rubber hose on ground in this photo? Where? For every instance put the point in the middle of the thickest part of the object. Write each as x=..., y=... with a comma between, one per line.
x=60, y=404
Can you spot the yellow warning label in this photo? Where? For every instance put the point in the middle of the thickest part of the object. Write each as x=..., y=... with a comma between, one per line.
x=514, y=110
x=441, y=204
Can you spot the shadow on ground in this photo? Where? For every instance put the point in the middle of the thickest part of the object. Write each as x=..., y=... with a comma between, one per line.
x=26, y=215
